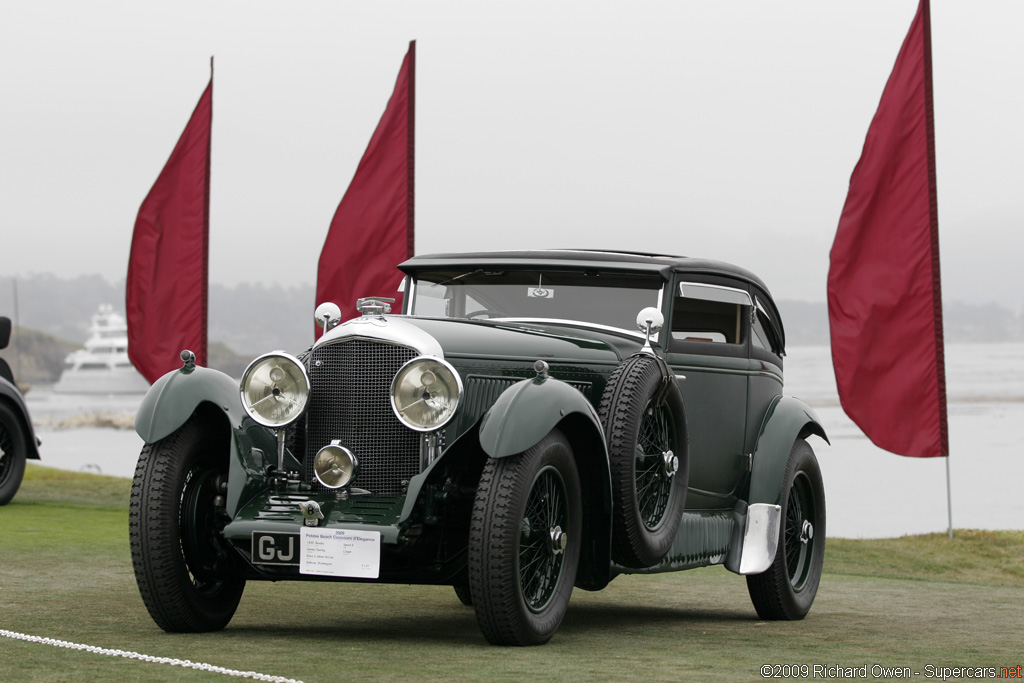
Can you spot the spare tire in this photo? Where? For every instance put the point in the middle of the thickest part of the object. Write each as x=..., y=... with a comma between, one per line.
x=648, y=451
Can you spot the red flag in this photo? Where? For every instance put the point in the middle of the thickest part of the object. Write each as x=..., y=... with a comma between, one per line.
x=372, y=230
x=884, y=296
x=167, y=269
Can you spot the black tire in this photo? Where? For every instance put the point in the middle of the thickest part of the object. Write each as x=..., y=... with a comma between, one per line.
x=524, y=542
x=786, y=590
x=184, y=570
x=464, y=594
x=13, y=452
x=648, y=498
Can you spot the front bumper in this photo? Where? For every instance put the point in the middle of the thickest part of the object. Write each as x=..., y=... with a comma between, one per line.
x=418, y=548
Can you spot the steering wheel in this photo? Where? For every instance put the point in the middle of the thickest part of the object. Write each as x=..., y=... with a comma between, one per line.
x=483, y=311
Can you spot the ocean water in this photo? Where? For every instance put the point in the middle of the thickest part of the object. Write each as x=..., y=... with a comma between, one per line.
x=870, y=493
x=64, y=423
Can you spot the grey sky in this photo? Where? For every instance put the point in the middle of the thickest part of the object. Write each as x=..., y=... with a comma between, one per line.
x=725, y=130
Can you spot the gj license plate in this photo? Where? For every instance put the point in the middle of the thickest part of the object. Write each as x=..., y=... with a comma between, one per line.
x=321, y=551
x=270, y=547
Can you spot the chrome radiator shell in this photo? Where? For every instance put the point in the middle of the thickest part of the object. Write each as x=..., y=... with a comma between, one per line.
x=350, y=401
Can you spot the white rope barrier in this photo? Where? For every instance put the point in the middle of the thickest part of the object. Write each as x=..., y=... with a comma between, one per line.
x=186, y=663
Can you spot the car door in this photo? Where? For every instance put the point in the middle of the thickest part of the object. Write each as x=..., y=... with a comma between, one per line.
x=708, y=344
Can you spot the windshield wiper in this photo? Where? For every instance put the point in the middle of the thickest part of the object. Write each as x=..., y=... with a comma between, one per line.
x=457, y=277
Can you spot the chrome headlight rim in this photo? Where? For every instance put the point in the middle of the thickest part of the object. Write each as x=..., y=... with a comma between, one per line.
x=247, y=377
x=449, y=414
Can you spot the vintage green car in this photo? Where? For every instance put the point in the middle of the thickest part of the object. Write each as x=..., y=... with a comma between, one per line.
x=531, y=422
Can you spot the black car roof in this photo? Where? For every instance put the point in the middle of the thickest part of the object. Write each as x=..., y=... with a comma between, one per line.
x=584, y=258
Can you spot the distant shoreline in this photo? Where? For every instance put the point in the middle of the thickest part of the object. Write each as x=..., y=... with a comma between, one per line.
x=100, y=419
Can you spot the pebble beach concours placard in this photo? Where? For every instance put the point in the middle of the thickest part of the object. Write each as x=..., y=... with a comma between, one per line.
x=340, y=552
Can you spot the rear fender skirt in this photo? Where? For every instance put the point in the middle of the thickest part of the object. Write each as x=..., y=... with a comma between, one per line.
x=758, y=529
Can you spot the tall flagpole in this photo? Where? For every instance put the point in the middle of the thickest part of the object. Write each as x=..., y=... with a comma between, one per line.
x=17, y=324
x=949, y=499
x=934, y=208
x=205, y=343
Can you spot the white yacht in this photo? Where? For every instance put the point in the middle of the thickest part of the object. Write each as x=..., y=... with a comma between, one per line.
x=102, y=367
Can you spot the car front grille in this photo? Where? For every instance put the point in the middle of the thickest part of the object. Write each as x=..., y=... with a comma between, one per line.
x=350, y=400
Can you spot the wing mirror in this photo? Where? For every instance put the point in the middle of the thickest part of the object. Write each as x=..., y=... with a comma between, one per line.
x=327, y=315
x=650, y=320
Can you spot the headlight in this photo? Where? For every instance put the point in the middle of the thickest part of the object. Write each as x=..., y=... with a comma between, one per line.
x=425, y=393
x=275, y=388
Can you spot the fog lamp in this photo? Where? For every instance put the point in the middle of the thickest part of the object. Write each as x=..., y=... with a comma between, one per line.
x=335, y=466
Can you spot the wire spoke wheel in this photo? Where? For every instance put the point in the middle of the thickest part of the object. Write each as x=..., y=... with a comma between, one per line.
x=648, y=453
x=540, y=562
x=786, y=590
x=799, y=530
x=525, y=536
x=653, y=478
x=201, y=550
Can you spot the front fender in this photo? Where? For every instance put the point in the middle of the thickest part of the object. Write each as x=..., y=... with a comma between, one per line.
x=521, y=417
x=174, y=397
x=527, y=411
x=786, y=420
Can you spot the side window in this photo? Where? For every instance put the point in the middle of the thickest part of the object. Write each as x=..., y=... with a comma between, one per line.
x=767, y=328
x=760, y=337
x=436, y=301
x=709, y=313
x=431, y=301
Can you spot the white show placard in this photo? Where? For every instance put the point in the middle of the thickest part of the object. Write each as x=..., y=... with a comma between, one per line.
x=339, y=552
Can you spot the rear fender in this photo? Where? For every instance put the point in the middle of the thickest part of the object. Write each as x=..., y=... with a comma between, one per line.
x=786, y=420
x=174, y=397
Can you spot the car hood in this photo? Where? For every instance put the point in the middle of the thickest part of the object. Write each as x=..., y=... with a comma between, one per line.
x=513, y=341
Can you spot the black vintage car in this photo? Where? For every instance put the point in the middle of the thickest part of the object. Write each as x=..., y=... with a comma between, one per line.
x=17, y=436
x=531, y=422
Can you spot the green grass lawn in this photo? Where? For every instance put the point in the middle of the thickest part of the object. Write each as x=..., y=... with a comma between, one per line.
x=65, y=573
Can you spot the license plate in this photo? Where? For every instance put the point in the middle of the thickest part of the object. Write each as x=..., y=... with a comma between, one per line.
x=320, y=551
x=274, y=547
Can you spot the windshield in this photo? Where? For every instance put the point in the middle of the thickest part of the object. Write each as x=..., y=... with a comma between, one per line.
x=600, y=298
